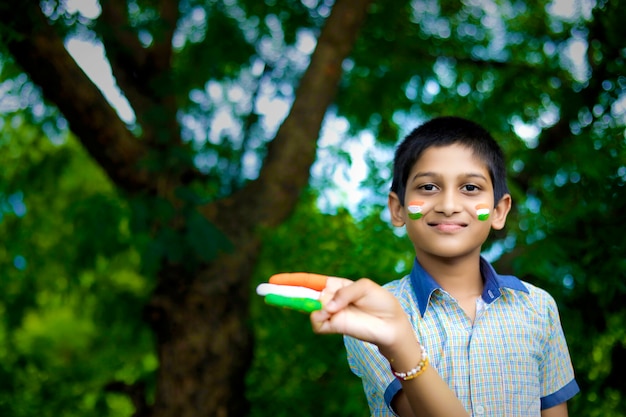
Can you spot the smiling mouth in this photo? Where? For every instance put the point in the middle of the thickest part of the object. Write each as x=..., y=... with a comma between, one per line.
x=448, y=227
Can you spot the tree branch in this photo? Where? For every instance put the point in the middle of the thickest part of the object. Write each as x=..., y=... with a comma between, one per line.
x=143, y=73
x=160, y=53
x=126, y=55
x=285, y=172
x=38, y=49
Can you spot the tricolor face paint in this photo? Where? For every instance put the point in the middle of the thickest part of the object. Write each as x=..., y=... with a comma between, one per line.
x=482, y=212
x=415, y=210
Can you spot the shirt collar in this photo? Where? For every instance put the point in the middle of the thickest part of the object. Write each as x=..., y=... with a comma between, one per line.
x=424, y=285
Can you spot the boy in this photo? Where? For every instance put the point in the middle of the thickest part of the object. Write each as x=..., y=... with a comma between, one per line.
x=475, y=342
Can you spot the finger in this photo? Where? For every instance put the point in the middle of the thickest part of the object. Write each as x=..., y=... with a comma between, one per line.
x=318, y=318
x=324, y=322
x=335, y=283
x=332, y=285
x=300, y=279
x=349, y=294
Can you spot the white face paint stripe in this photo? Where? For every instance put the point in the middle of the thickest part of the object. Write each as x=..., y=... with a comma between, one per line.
x=415, y=209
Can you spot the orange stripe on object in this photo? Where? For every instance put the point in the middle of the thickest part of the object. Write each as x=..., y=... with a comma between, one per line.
x=482, y=206
x=300, y=279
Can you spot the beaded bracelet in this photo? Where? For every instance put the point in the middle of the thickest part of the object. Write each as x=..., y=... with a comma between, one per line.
x=415, y=372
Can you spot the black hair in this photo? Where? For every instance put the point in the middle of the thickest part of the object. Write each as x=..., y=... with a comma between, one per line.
x=444, y=131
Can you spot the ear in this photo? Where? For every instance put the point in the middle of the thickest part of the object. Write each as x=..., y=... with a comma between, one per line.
x=396, y=209
x=498, y=220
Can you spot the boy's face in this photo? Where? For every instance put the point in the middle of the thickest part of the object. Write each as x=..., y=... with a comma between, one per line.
x=444, y=193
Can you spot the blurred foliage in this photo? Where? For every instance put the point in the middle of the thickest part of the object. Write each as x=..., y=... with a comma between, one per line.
x=74, y=266
x=72, y=294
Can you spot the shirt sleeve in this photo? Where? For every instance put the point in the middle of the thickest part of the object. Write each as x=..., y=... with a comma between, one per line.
x=558, y=383
x=379, y=384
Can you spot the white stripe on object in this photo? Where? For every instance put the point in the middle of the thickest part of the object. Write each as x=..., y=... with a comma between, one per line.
x=287, y=291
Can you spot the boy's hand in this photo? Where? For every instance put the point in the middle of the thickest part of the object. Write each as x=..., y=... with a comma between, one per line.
x=361, y=309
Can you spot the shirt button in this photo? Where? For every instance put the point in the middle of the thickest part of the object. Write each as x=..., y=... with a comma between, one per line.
x=480, y=410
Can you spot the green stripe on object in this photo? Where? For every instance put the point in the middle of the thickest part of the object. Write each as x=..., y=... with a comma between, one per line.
x=305, y=305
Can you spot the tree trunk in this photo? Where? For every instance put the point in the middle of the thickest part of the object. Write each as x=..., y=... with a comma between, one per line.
x=204, y=342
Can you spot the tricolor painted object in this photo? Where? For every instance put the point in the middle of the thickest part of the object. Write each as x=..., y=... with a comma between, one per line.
x=296, y=290
x=482, y=212
x=415, y=210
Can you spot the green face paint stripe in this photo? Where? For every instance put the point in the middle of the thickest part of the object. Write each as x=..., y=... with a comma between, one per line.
x=415, y=216
x=483, y=217
x=305, y=305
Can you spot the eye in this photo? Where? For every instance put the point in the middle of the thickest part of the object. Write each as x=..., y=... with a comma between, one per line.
x=471, y=188
x=428, y=187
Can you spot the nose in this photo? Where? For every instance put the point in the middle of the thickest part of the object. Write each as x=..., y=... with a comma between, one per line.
x=447, y=203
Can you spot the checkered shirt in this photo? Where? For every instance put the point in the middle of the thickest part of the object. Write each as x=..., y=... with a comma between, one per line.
x=512, y=361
